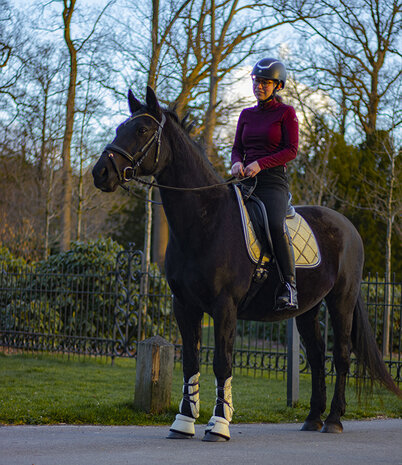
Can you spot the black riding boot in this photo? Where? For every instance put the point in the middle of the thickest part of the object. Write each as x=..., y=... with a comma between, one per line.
x=286, y=297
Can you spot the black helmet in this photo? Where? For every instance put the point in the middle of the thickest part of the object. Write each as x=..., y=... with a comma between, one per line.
x=270, y=68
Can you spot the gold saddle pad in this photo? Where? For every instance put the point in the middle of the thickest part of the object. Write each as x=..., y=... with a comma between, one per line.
x=307, y=253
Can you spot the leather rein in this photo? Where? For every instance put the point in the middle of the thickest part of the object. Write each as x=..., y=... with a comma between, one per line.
x=137, y=159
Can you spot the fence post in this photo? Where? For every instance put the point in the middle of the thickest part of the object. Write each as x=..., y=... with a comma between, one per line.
x=293, y=338
x=153, y=384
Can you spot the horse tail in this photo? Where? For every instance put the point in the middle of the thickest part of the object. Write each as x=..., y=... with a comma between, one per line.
x=368, y=355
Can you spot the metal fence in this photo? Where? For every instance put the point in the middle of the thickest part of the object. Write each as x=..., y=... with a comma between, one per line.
x=91, y=314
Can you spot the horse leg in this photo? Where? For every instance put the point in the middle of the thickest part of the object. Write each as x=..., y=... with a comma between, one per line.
x=190, y=329
x=309, y=329
x=217, y=429
x=341, y=321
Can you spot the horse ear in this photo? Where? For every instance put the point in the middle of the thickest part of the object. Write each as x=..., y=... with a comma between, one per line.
x=133, y=103
x=152, y=102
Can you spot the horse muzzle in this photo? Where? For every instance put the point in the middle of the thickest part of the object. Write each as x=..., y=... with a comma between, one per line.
x=104, y=174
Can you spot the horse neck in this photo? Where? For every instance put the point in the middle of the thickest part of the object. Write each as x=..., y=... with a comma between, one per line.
x=188, y=210
x=187, y=164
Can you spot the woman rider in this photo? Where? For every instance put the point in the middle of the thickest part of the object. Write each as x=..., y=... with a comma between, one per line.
x=266, y=139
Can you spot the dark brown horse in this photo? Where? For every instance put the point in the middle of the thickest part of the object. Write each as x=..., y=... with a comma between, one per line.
x=209, y=270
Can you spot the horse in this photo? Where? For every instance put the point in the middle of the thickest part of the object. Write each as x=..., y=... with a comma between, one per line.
x=209, y=271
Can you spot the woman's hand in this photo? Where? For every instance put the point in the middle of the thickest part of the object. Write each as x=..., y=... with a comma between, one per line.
x=252, y=169
x=238, y=169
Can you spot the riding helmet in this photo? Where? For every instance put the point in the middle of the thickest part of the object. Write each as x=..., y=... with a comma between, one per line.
x=270, y=68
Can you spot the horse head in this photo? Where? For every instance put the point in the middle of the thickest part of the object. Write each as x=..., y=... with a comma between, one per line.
x=136, y=149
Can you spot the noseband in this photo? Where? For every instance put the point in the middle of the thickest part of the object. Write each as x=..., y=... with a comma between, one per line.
x=137, y=159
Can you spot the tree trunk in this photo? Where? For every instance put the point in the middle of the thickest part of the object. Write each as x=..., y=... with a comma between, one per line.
x=160, y=233
x=158, y=224
x=68, y=132
x=80, y=197
x=388, y=254
x=210, y=117
x=43, y=188
x=48, y=199
x=388, y=293
x=144, y=284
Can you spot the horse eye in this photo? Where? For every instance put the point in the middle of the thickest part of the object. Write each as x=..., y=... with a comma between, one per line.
x=142, y=130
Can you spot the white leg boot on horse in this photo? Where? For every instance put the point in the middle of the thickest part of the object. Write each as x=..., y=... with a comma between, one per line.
x=217, y=429
x=183, y=426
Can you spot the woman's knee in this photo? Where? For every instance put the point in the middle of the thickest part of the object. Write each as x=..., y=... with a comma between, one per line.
x=277, y=230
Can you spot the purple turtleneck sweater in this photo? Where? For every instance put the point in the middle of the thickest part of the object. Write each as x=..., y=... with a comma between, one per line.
x=268, y=133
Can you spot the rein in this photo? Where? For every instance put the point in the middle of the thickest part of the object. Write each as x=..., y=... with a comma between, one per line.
x=141, y=154
x=231, y=180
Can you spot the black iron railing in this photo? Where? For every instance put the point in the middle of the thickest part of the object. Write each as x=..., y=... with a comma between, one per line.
x=86, y=313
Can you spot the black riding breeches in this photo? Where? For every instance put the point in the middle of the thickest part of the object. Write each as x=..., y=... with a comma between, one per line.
x=273, y=189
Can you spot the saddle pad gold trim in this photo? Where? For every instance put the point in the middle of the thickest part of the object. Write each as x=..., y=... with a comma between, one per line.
x=307, y=253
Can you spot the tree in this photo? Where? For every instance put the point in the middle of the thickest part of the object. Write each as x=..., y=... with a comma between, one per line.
x=74, y=48
x=357, y=65
x=383, y=195
x=68, y=10
x=43, y=125
x=158, y=40
x=29, y=140
x=13, y=43
x=32, y=132
x=358, y=54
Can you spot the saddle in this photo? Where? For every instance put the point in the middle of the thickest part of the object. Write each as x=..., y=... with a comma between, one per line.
x=258, y=238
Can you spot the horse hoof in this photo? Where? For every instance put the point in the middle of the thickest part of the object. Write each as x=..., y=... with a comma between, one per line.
x=332, y=427
x=182, y=427
x=312, y=425
x=211, y=437
x=177, y=435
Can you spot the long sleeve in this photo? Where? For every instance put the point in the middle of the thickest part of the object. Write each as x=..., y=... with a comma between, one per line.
x=289, y=143
x=237, y=149
x=268, y=135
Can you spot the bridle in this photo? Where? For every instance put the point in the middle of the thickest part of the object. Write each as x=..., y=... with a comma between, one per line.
x=137, y=159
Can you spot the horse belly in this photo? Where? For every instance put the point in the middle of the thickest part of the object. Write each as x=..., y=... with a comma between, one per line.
x=312, y=286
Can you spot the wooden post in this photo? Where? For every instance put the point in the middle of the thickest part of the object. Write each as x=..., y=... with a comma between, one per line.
x=153, y=383
x=293, y=363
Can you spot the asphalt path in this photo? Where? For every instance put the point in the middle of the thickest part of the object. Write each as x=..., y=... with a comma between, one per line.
x=362, y=443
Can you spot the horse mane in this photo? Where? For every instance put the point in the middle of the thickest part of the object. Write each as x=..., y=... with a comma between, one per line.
x=183, y=138
x=186, y=125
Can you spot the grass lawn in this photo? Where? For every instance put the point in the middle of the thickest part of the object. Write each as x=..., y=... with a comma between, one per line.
x=44, y=389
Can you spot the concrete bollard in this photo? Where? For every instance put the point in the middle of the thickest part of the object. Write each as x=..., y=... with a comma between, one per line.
x=153, y=384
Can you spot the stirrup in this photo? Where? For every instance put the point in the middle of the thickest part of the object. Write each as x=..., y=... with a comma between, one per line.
x=286, y=306
x=286, y=303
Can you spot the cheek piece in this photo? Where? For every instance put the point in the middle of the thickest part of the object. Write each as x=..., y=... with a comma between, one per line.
x=137, y=159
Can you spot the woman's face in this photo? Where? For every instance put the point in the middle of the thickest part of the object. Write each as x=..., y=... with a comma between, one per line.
x=262, y=88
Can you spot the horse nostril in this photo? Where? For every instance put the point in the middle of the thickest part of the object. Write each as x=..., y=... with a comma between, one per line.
x=100, y=175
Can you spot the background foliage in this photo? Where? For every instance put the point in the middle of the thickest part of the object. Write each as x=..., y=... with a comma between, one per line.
x=78, y=294
x=61, y=100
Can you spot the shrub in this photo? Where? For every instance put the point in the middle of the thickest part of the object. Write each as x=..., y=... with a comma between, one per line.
x=79, y=295
x=9, y=261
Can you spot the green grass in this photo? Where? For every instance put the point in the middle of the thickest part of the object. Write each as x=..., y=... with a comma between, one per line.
x=43, y=389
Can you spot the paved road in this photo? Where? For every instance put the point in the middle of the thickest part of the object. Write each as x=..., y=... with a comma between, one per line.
x=362, y=443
